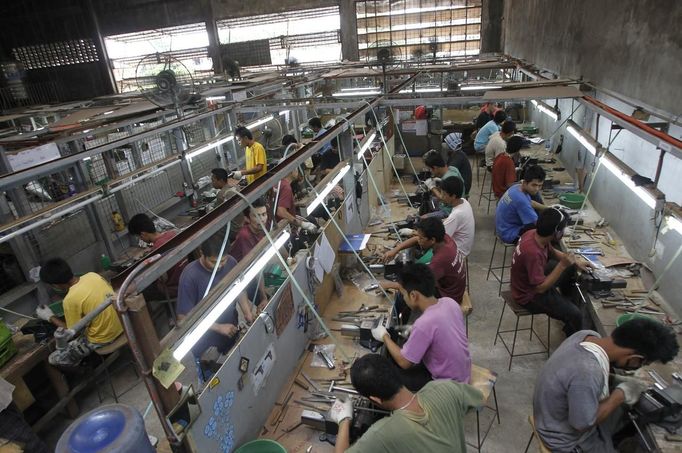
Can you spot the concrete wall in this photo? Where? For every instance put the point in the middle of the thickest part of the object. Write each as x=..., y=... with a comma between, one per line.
x=629, y=46
x=629, y=216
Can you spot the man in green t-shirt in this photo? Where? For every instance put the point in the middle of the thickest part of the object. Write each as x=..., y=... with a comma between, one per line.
x=431, y=420
x=440, y=170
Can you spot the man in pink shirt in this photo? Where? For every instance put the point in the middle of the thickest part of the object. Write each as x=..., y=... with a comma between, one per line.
x=437, y=347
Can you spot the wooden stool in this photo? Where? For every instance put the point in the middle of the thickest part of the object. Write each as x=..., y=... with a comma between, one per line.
x=466, y=308
x=484, y=380
x=493, y=270
x=108, y=355
x=520, y=312
x=541, y=446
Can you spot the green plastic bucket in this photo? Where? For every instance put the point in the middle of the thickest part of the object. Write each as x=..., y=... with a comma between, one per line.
x=261, y=446
x=572, y=200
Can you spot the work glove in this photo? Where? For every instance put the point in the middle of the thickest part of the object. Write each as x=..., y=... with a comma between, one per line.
x=44, y=312
x=236, y=175
x=308, y=226
x=430, y=183
x=632, y=388
x=406, y=232
x=341, y=409
x=379, y=332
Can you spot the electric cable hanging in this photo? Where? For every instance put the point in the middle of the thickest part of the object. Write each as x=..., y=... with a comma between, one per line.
x=290, y=274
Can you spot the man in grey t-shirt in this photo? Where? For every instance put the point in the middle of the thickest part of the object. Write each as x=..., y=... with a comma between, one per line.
x=573, y=408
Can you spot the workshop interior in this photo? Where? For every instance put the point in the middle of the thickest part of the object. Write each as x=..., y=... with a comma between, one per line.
x=340, y=225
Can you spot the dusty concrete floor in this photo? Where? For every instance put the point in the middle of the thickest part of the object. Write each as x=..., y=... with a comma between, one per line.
x=514, y=388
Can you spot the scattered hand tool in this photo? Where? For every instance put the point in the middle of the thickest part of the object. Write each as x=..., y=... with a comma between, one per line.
x=334, y=387
x=310, y=381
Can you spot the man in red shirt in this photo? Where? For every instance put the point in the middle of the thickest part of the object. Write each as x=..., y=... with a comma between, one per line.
x=504, y=166
x=531, y=287
x=446, y=264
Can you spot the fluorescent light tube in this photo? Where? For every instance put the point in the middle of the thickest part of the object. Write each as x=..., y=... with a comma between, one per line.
x=359, y=89
x=534, y=102
x=639, y=191
x=205, y=148
x=194, y=335
x=215, y=98
x=355, y=93
x=479, y=87
x=259, y=122
x=108, y=113
x=283, y=112
x=546, y=109
x=583, y=137
x=320, y=197
x=674, y=224
x=366, y=145
x=423, y=90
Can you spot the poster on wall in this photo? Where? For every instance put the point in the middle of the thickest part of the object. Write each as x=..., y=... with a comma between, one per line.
x=350, y=209
x=31, y=157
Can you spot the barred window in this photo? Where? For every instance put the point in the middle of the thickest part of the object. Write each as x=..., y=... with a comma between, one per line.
x=57, y=54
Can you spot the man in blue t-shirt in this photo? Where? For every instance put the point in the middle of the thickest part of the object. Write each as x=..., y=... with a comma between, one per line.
x=483, y=135
x=192, y=286
x=516, y=212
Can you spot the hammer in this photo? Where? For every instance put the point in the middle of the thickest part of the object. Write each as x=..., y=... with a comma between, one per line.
x=334, y=387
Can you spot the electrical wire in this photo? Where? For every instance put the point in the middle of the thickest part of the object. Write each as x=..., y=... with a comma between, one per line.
x=16, y=313
x=407, y=154
x=290, y=274
x=385, y=150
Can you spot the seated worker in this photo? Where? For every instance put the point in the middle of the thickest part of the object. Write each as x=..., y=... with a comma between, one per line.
x=573, y=406
x=531, y=288
x=16, y=435
x=504, y=166
x=498, y=142
x=460, y=224
x=515, y=211
x=166, y=286
x=330, y=158
x=484, y=133
x=142, y=225
x=437, y=347
x=316, y=125
x=457, y=158
x=83, y=295
x=251, y=232
x=256, y=160
x=436, y=164
x=193, y=284
x=447, y=264
x=221, y=181
x=486, y=114
x=286, y=202
x=431, y=420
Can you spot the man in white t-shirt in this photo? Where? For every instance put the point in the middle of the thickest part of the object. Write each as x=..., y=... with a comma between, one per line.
x=459, y=224
x=498, y=142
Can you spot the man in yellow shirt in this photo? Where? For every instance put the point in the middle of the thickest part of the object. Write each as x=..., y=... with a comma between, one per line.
x=256, y=160
x=83, y=295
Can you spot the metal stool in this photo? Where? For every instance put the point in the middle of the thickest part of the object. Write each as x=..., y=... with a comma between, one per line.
x=542, y=448
x=486, y=194
x=108, y=355
x=484, y=380
x=520, y=312
x=493, y=270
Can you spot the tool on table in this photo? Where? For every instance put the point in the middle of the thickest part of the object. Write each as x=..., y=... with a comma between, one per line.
x=677, y=376
x=310, y=381
x=333, y=387
x=363, y=309
x=658, y=378
x=327, y=360
x=281, y=410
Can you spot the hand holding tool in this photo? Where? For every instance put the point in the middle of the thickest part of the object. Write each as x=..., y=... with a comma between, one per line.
x=632, y=389
x=379, y=332
x=341, y=409
x=44, y=312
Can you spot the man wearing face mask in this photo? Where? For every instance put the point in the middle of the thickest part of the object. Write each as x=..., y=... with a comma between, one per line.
x=573, y=407
x=531, y=286
x=437, y=347
x=431, y=420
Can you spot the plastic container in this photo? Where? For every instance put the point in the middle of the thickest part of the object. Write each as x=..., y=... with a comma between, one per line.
x=57, y=308
x=105, y=261
x=572, y=200
x=622, y=319
x=261, y=446
x=112, y=428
